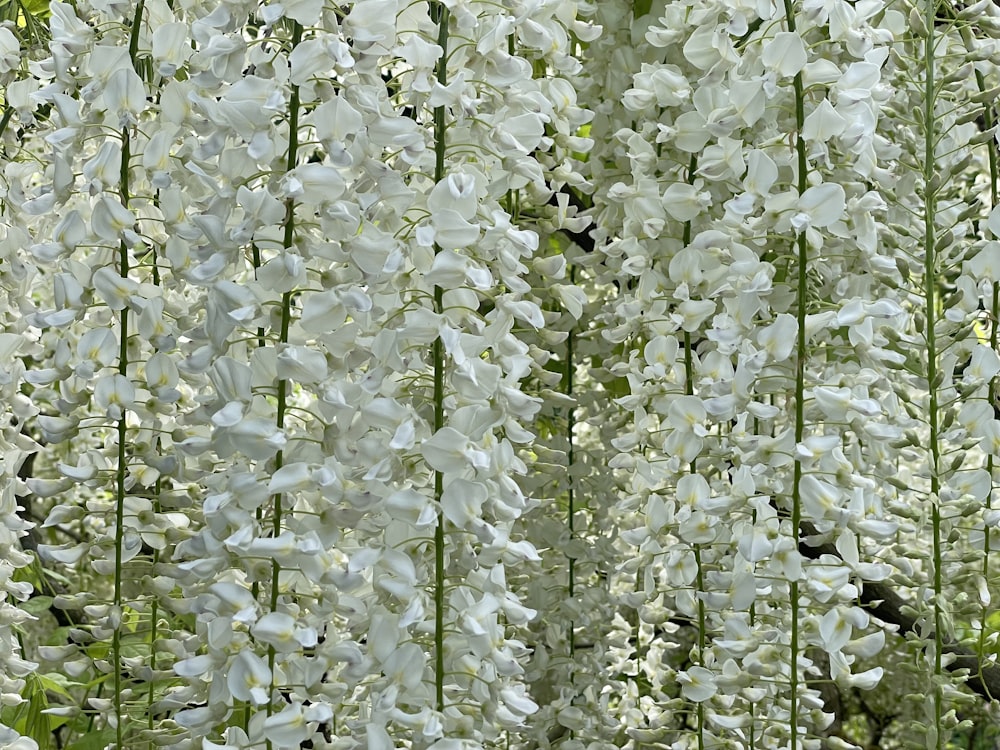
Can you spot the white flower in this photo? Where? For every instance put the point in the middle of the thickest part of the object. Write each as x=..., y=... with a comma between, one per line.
x=335, y=119
x=697, y=684
x=819, y=207
x=829, y=581
x=785, y=53
x=984, y=365
x=171, y=47
x=279, y=630
x=462, y=501
x=778, y=339
x=306, y=12
x=449, y=451
x=657, y=85
x=291, y=726
x=820, y=499
x=985, y=264
x=867, y=646
x=254, y=437
x=112, y=222
x=823, y=123
x=315, y=183
x=302, y=364
x=161, y=373
x=196, y=666
x=457, y=192
x=451, y=230
x=762, y=173
x=99, y=345
x=114, y=394
x=10, y=51
x=686, y=416
x=113, y=288
x=104, y=169
x=405, y=666
x=837, y=625
x=140, y=516
x=684, y=202
x=125, y=95
x=249, y=679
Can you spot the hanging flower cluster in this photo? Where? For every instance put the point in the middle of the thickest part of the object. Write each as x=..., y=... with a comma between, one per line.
x=463, y=374
x=280, y=311
x=766, y=353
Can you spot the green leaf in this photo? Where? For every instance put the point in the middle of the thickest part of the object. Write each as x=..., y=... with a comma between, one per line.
x=59, y=636
x=37, y=605
x=93, y=741
x=57, y=721
x=39, y=8
x=57, y=683
x=641, y=8
x=99, y=650
x=993, y=620
x=33, y=723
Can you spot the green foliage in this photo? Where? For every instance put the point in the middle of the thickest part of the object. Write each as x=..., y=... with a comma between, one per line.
x=641, y=7
x=29, y=16
x=29, y=718
x=93, y=740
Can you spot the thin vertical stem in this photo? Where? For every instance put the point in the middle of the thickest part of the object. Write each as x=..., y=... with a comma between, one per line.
x=930, y=301
x=571, y=490
x=154, y=607
x=255, y=255
x=442, y=17
x=802, y=288
x=121, y=470
x=991, y=151
x=693, y=469
x=286, y=316
x=154, y=613
x=120, y=474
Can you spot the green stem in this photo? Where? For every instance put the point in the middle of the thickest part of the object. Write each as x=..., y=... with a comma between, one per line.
x=259, y=513
x=693, y=469
x=570, y=458
x=255, y=255
x=800, y=370
x=751, y=742
x=154, y=607
x=700, y=579
x=286, y=316
x=8, y=112
x=116, y=641
x=570, y=490
x=121, y=470
x=442, y=17
x=930, y=291
x=991, y=151
x=154, y=613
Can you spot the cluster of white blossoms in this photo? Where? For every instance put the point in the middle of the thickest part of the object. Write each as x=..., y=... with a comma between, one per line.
x=528, y=374
x=274, y=281
x=798, y=310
